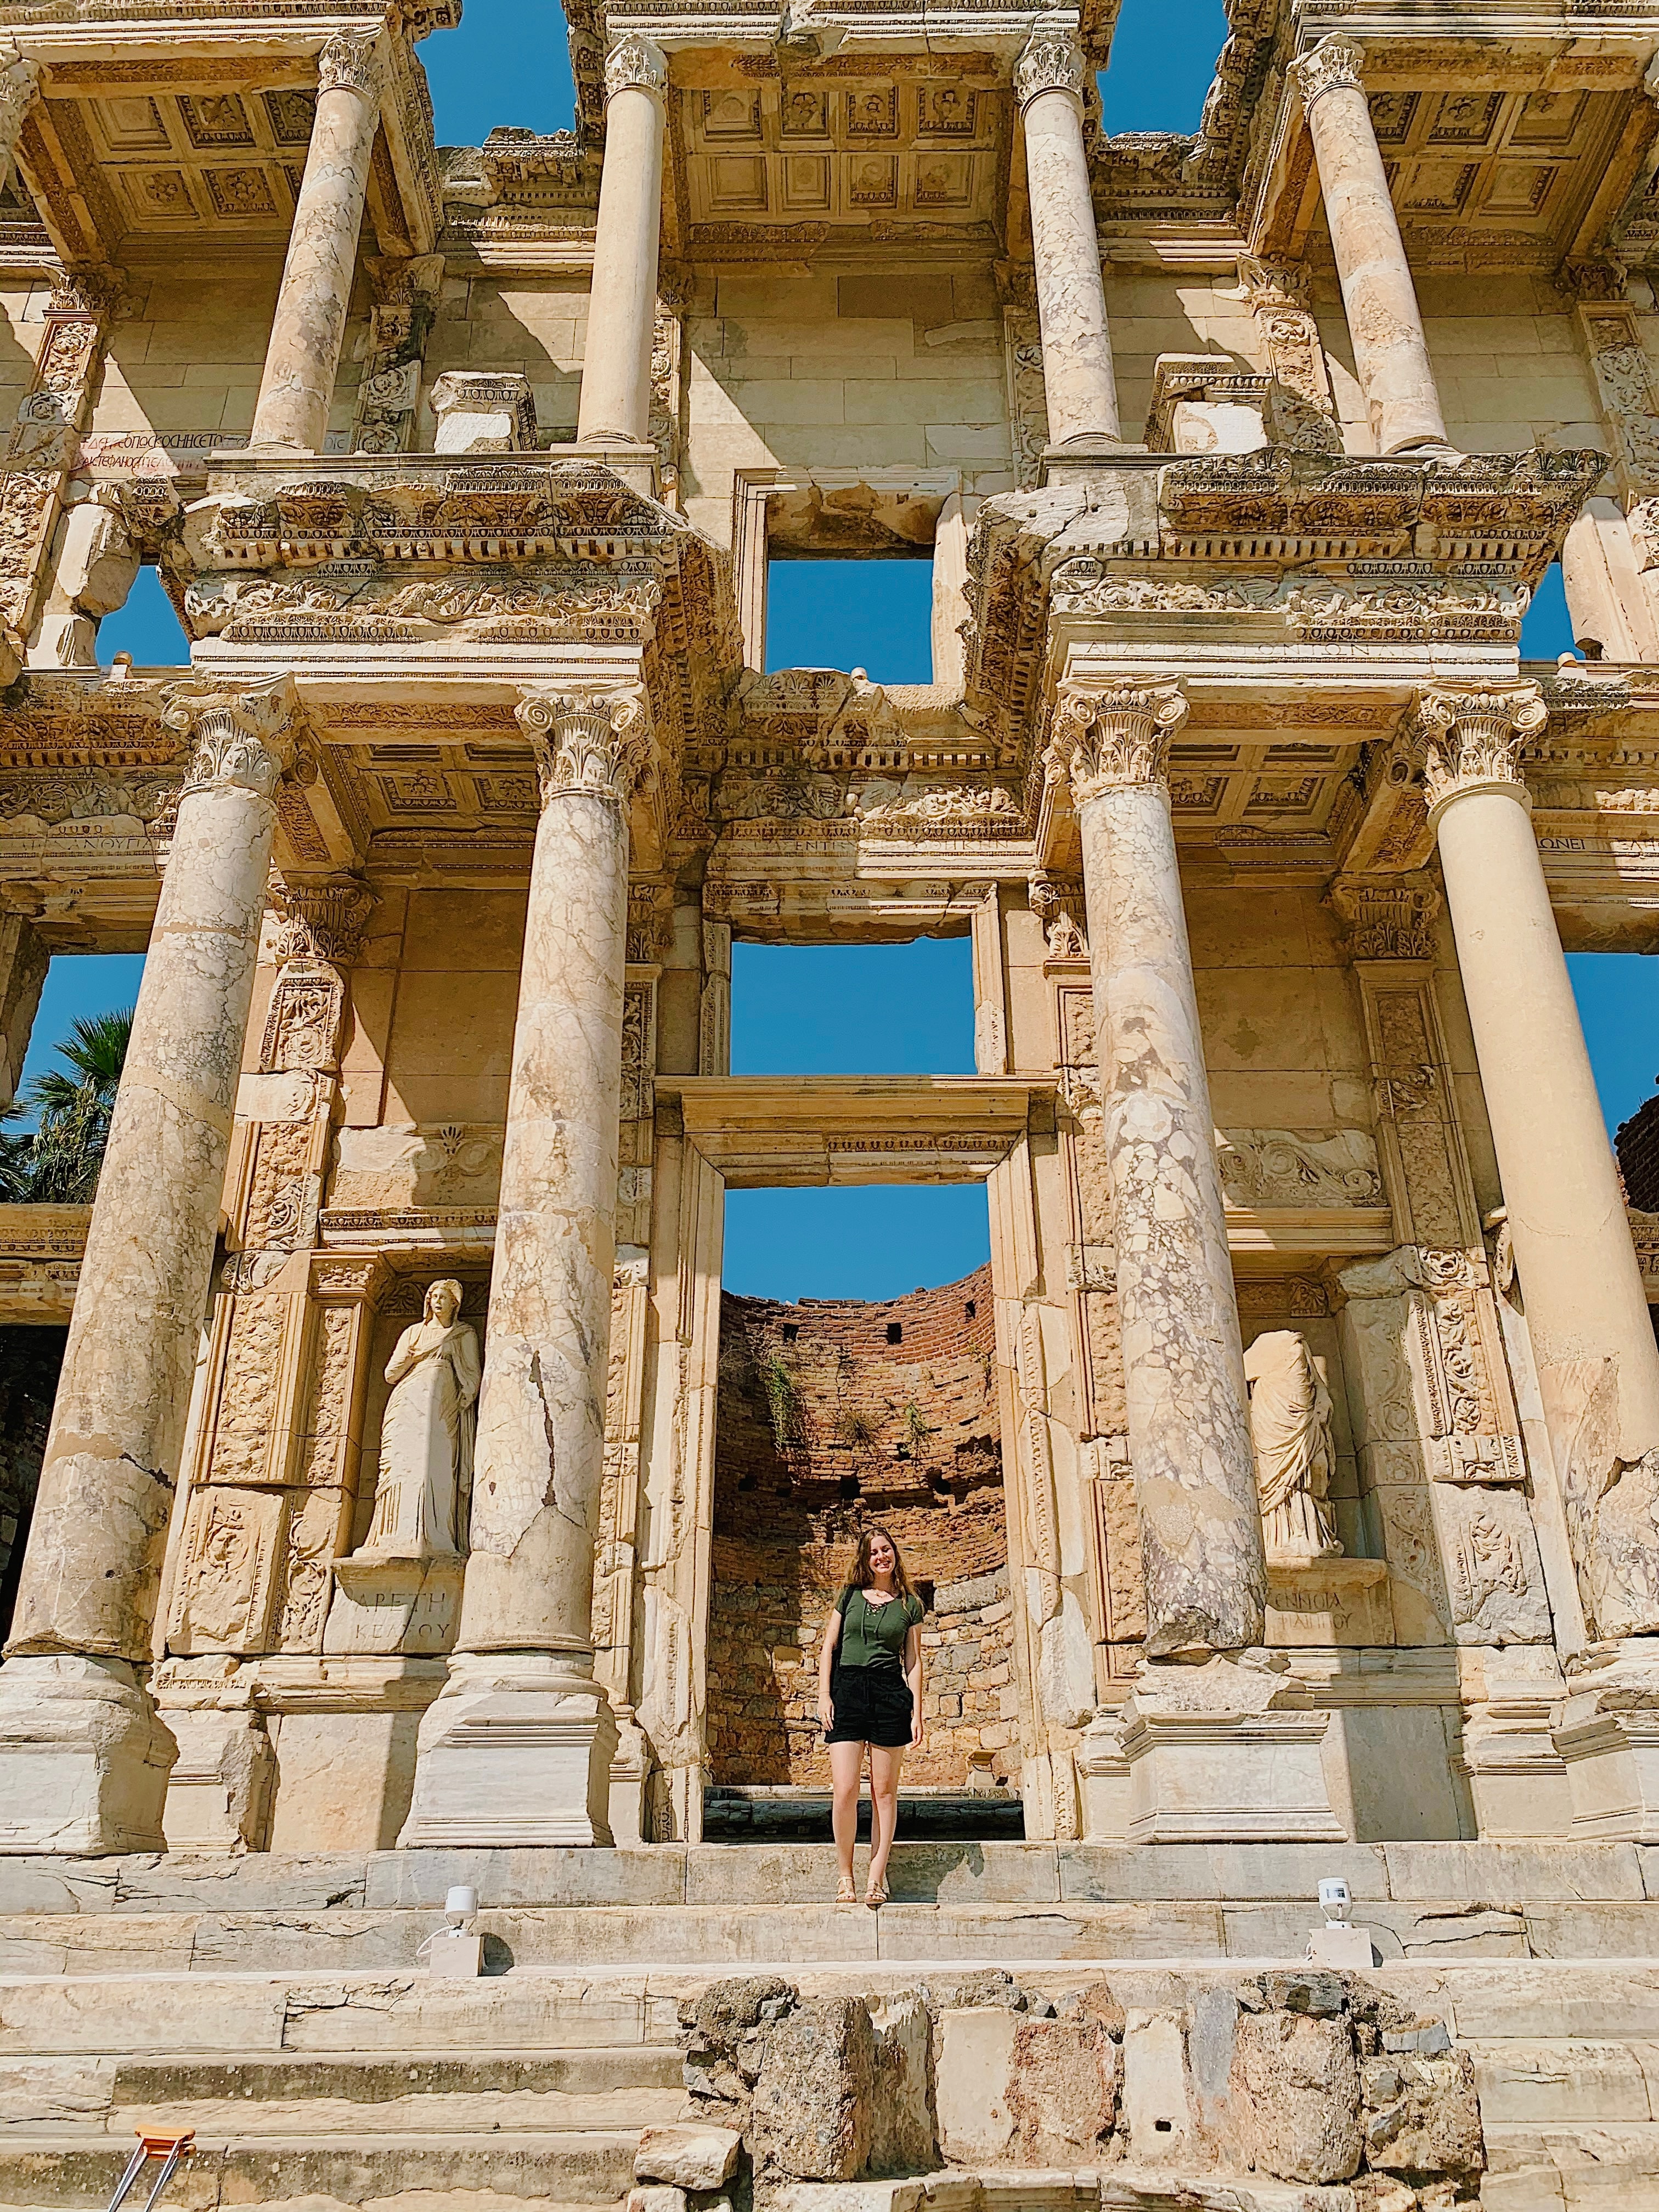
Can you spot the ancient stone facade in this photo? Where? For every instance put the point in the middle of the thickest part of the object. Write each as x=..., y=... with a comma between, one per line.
x=1303, y=1466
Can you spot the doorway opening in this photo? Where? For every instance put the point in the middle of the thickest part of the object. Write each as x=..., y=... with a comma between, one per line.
x=834, y=1414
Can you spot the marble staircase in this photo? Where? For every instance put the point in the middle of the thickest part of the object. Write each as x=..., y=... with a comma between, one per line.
x=276, y=2004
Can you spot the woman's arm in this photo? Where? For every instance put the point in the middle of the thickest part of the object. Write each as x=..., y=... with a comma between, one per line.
x=826, y=1661
x=913, y=1676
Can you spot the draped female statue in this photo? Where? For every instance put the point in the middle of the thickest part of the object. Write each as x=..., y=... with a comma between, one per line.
x=426, y=1436
x=1290, y=1427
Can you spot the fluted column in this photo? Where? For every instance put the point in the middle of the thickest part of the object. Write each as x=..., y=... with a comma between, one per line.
x=1077, y=343
x=1188, y=1419
x=1390, y=353
x=517, y=1749
x=622, y=308
x=297, y=388
x=83, y=1761
x=1585, y=1306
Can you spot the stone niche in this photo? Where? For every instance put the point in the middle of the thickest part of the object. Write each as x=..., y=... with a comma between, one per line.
x=833, y=1413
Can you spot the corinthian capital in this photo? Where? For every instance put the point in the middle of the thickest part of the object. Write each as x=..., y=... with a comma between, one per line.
x=1474, y=740
x=1052, y=62
x=1336, y=65
x=249, y=739
x=1115, y=736
x=635, y=65
x=599, y=744
x=20, y=87
x=351, y=61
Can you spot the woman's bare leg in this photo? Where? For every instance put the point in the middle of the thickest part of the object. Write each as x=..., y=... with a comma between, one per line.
x=885, y=1765
x=846, y=1764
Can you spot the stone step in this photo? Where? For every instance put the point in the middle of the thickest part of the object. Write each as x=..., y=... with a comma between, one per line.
x=1537, y=2081
x=79, y=2171
x=378, y=2015
x=521, y=2091
x=733, y=1938
x=1501, y=1877
x=1589, y=2167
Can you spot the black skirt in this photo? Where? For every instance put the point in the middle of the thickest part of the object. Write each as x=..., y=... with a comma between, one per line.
x=872, y=1705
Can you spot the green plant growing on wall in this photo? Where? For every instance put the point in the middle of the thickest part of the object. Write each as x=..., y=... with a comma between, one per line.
x=857, y=1430
x=916, y=1430
x=784, y=1403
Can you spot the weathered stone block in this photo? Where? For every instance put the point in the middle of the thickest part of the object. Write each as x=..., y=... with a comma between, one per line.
x=688, y=2157
x=1062, y=2090
x=902, y=2109
x=811, y=2114
x=1423, y=2115
x=1294, y=2095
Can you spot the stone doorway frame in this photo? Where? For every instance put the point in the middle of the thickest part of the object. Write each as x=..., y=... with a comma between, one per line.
x=721, y=1132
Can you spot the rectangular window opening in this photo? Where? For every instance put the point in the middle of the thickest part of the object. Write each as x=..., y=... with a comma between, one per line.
x=854, y=1009
x=874, y=612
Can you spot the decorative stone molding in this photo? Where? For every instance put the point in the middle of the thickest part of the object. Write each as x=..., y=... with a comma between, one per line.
x=351, y=61
x=1388, y=920
x=1119, y=735
x=403, y=315
x=20, y=87
x=1051, y=63
x=1058, y=905
x=323, y=921
x=635, y=65
x=1474, y=740
x=1336, y=65
x=598, y=745
x=249, y=738
x=1301, y=408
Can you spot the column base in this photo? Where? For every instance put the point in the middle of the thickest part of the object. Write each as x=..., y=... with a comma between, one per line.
x=516, y=1749
x=1103, y=1773
x=1606, y=1729
x=1210, y=1761
x=1516, y=1779
x=219, y=1798
x=84, y=1757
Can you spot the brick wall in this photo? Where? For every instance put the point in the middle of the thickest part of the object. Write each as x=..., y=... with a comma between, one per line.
x=1637, y=1147
x=833, y=1413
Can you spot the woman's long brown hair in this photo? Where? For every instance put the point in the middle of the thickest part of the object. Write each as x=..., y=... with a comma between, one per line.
x=860, y=1577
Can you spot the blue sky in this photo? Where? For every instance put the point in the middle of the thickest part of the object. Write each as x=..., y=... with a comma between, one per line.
x=869, y=1010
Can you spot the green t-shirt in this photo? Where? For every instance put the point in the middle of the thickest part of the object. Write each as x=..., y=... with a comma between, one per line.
x=873, y=1635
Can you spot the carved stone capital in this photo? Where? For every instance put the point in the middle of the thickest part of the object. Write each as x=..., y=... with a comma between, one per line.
x=599, y=744
x=1474, y=740
x=20, y=87
x=1336, y=65
x=248, y=739
x=1115, y=736
x=322, y=921
x=90, y=292
x=352, y=62
x=1388, y=917
x=1052, y=62
x=635, y=65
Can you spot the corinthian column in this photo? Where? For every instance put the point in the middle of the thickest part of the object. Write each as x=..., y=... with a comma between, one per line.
x=83, y=1760
x=622, y=307
x=1077, y=345
x=1188, y=1419
x=517, y=1749
x=1586, y=1310
x=1390, y=353
x=297, y=388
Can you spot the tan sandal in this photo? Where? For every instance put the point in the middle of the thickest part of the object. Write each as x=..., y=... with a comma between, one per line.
x=876, y=1895
x=846, y=1891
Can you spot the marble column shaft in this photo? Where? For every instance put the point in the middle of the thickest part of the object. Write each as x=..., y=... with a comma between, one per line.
x=1584, y=1300
x=112, y=1457
x=1390, y=353
x=622, y=308
x=1077, y=345
x=1187, y=1405
x=540, y=1448
x=296, y=390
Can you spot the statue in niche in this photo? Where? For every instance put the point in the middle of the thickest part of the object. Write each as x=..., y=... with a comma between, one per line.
x=1291, y=1429
x=426, y=1436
